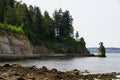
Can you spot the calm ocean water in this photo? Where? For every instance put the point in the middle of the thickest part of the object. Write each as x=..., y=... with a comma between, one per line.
x=93, y=64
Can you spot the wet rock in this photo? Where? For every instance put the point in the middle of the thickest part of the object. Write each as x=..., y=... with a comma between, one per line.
x=114, y=73
x=30, y=76
x=20, y=78
x=33, y=67
x=76, y=79
x=6, y=65
x=118, y=73
x=86, y=71
x=58, y=77
x=68, y=75
x=46, y=79
x=75, y=72
x=44, y=69
x=5, y=76
x=60, y=72
x=108, y=76
x=1, y=78
x=96, y=79
x=99, y=76
x=16, y=65
x=90, y=77
x=16, y=74
x=54, y=70
x=26, y=73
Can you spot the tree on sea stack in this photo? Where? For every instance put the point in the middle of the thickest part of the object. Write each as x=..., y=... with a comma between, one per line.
x=101, y=50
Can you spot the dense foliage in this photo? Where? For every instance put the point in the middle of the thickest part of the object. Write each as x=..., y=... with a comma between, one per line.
x=40, y=29
x=11, y=28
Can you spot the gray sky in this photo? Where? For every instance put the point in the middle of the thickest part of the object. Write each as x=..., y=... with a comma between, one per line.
x=96, y=20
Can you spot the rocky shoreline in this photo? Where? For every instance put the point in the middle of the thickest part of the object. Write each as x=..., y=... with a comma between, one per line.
x=18, y=72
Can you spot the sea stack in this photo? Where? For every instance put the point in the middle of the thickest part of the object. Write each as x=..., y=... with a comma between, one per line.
x=101, y=50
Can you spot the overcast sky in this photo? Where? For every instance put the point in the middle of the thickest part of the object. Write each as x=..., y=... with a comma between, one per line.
x=96, y=20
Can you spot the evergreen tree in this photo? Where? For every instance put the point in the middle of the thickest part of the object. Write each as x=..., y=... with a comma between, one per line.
x=30, y=13
x=49, y=31
x=9, y=15
x=77, y=35
x=7, y=11
x=63, y=23
x=29, y=16
x=57, y=21
x=1, y=10
x=66, y=26
x=82, y=42
x=21, y=12
x=11, y=3
x=37, y=21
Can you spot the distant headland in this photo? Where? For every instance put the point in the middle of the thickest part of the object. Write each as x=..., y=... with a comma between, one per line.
x=108, y=50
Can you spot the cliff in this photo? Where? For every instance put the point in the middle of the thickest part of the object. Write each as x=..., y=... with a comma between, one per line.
x=14, y=43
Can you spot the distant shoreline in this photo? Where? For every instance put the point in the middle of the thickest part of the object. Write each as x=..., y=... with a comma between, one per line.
x=108, y=50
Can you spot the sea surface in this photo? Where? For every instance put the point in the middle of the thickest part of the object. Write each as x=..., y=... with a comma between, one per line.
x=93, y=64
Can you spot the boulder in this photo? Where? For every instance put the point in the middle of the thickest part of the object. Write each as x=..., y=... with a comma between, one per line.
x=20, y=78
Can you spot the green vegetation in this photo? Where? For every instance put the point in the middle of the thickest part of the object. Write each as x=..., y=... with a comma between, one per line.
x=11, y=28
x=40, y=29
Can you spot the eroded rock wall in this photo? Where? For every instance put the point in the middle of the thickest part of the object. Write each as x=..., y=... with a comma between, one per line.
x=9, y=44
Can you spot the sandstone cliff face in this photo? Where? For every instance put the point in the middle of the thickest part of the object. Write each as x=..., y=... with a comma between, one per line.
x=9, y=44
x=18, y=44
